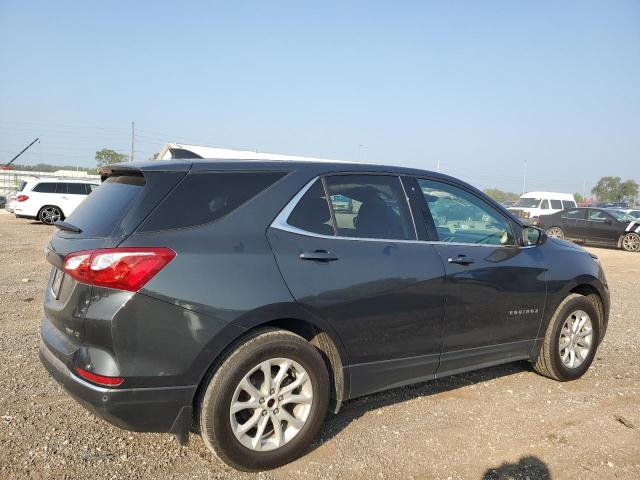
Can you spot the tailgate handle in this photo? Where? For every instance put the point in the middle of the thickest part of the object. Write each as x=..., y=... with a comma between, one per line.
x=462, y=260
x=323, y=256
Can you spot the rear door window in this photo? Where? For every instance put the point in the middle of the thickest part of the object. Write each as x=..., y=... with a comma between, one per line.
x=205, y=197
x=598, y=216
x=312, y=213
x=370, y=206
x=576, y=214
x=45, y=187
x=556, y=204
x=568, y=204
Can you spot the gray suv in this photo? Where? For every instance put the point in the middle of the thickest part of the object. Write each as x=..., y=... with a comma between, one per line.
x=243, y=299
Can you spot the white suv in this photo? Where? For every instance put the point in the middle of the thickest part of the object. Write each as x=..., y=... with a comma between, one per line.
x=51, y=199
x=533, y=204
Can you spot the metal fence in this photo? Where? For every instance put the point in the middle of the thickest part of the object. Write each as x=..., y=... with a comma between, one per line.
x=10, y=179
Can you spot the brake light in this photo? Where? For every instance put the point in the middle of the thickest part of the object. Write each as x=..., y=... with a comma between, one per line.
x=127, y=268
x=22, y=198
x=99, y=379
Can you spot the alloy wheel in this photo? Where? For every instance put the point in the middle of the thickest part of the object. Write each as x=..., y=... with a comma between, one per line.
x=271, y=404
x=555, y=232
x=631, y=242
x=50, y=215
x=576, y=339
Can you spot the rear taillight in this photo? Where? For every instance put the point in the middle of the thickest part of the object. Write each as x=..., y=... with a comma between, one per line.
x=120, y=268
x=22, y=198
x=99, y=379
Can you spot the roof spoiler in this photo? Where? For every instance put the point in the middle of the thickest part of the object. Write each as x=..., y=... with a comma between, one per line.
x=118, y=169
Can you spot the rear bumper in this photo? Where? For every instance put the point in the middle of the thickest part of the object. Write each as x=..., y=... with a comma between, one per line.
x=166, y=409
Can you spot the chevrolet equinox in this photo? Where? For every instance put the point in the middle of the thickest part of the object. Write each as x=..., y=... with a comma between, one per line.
x=243, y=299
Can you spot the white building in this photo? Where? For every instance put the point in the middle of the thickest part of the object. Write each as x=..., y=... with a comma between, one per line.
x=181, y=150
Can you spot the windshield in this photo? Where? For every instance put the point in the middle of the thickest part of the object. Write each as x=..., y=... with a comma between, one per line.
x=623, y=217
x=528, y=202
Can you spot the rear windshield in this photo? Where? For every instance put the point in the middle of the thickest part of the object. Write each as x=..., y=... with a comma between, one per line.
x=205, y=197
x=102, y=211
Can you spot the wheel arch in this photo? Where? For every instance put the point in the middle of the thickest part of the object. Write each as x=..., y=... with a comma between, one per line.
x=295, y=320
x=587, y=286
x=62, y=215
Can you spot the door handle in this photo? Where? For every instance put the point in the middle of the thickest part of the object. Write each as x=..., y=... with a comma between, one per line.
x=461, y=260
x=323, y=256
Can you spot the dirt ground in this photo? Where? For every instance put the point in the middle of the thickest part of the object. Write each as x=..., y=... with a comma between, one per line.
x=502, y=422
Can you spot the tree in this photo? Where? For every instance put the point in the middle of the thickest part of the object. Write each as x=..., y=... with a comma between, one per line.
x=500, y=196
x=613, y=189
x=107, y=157
x=578, y=198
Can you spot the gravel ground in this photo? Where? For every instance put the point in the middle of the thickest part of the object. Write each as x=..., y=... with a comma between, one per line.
x=502, y=422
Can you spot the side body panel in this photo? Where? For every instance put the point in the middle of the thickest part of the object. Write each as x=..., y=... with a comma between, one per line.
x=385, y=300
x=494, y=306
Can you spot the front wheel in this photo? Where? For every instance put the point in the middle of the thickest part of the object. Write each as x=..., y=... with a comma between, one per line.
x=50, y=215
x=556, y=232
x=631, y=242
x=266, y=401
x=571, y=339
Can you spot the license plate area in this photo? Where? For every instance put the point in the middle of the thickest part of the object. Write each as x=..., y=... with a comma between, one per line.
x=57, y=282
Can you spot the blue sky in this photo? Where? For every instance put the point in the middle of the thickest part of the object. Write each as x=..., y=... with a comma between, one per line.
x=483, y=87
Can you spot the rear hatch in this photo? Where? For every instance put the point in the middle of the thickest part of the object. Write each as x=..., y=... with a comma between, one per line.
x=104, y=219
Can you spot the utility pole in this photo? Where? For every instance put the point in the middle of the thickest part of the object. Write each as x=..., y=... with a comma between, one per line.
x=524, y=178
x=360, y=152
x=438, y=166
x=584, y=189
x=133, y=140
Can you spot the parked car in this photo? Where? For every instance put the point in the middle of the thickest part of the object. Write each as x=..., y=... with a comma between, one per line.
x=594, y=225
x=10, y=201
x=50, y=200
x=3, y=201
x=533, y=204
x=261, y=306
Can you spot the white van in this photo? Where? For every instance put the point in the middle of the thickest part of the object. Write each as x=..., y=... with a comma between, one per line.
x=533, y=204
x=51, y=199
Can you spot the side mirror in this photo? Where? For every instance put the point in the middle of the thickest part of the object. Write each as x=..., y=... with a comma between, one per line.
x=532, y=236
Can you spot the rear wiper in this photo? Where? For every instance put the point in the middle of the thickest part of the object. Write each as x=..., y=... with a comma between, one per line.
x=66, y=226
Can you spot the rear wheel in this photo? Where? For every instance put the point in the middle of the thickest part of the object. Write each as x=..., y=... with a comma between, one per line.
x=49, y=214
x=555, y=232
x=571, y=339
x=266, y=401
x=631, y=242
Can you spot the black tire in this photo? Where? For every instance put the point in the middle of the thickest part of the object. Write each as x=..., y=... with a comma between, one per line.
x=49, y=214
x=555, y=232
x=214, y=412
x=549, y=362
x=631, y=242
